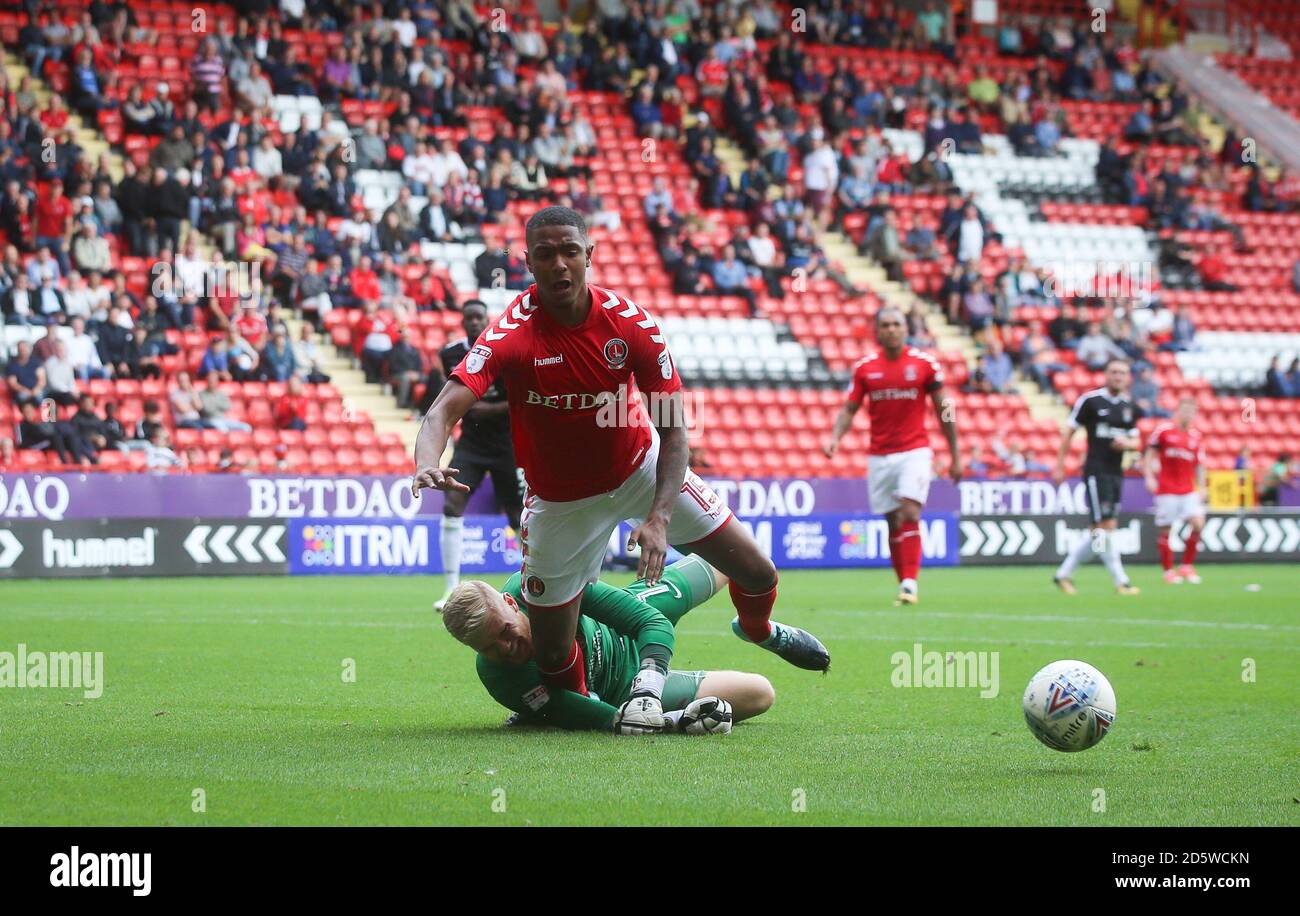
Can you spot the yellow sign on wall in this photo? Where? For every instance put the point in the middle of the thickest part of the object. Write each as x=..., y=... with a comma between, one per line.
x=1231, y=489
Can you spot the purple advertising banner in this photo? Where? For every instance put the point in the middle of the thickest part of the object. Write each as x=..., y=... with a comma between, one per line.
x=85, y=496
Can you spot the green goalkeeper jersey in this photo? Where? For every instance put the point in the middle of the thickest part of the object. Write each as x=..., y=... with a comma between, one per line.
x=613, y=627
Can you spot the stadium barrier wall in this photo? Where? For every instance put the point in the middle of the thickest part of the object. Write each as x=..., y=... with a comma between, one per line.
x=122, y=547
x=1228, y=537
x=57, y=497
x=88, y=525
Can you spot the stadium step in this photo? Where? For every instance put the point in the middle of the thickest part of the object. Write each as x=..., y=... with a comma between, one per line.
x=89, y=139
x=360, y=395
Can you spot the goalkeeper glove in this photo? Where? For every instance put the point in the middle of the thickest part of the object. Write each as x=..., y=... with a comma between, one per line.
x=706, y=716
x=640, y=716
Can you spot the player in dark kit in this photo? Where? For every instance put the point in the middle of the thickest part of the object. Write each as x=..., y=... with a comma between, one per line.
x=484, y=448
x=1110, y=418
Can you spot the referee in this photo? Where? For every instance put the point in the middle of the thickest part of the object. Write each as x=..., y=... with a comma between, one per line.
x=484, y=448
x=1110, y=418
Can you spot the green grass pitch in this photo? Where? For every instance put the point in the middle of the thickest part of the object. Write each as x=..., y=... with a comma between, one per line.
x=236, y=687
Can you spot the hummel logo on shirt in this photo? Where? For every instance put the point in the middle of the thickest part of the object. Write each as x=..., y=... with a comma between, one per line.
x=549, y=361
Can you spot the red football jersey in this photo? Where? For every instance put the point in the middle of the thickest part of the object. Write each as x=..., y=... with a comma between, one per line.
x=897, y=392
x=1180, y=451
x=578, y=425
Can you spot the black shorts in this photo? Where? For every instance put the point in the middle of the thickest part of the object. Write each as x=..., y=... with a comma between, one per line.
x=474, y=466
x=1104, y=492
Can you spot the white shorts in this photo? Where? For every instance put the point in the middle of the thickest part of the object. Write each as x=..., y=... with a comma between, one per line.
x=564, y=542
x=899, y=475
x=1172, y=508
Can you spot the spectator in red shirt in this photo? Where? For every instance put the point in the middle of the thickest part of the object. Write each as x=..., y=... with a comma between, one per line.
x=365, y=282
x=291, y=409
x=54, y=222
x=252, y=325
x=1214, y=271
x=372, y=338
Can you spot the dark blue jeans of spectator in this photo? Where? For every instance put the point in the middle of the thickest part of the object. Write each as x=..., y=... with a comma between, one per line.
x=1042, y=373
x=169, y=233
x=778, y=163
x=135, y=236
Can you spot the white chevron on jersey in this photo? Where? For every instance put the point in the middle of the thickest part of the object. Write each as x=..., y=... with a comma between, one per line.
x=520, y=311
x=631, y=311
x=929, y=358
x=1159, y=430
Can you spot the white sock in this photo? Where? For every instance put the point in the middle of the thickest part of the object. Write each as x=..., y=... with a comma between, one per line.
x=907, y=585
x=1081, y=552
x=1110, y=556
x=449, y=538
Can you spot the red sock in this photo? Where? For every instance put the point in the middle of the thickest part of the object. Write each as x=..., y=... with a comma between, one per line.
x=896, y=553
x=572, y=675
x=754, y=611
x=909, y=550
x=1166, y=552
x=1189, y=548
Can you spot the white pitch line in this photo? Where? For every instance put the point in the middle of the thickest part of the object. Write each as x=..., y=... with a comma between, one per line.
x=968, y=639
x=1061, y=618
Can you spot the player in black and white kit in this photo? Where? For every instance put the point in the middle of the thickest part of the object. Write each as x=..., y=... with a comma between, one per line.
x=1110, y=418
x=484, y=448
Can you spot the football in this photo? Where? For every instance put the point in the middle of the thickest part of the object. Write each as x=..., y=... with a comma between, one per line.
x=1069, y=705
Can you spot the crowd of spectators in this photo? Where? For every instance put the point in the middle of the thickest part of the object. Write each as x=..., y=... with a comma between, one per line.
x=1282, y=383
x=288, y=201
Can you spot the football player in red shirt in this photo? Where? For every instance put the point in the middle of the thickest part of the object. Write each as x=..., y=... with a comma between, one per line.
x=1178, y=479
x=896, y=382
x=569, y=353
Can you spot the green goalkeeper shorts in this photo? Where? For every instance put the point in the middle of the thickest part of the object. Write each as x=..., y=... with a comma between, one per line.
x=686, y=584
x=681, y=687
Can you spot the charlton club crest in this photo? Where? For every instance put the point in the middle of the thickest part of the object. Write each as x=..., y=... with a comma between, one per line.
x=909, y=373
x=616, y=353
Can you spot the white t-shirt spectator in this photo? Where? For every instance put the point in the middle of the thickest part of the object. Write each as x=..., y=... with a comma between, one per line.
x=446, y=163
x=530, y=43
x=83, y=353
x=183, y=405
x=821, y=171
x=405, y=30
x=355, y=231
x=763, y=250
x=257, y=90
x=100, y=298
x=421, y=169
x=267, y=162
x=76, y=302
x=60, y=376
x=191, y=276
x=970, y=242
x=378, y=339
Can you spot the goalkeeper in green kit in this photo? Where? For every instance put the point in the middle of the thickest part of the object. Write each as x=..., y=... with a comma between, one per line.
x=627, y=641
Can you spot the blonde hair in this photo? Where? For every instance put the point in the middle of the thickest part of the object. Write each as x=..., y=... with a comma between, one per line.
x=466, y=610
